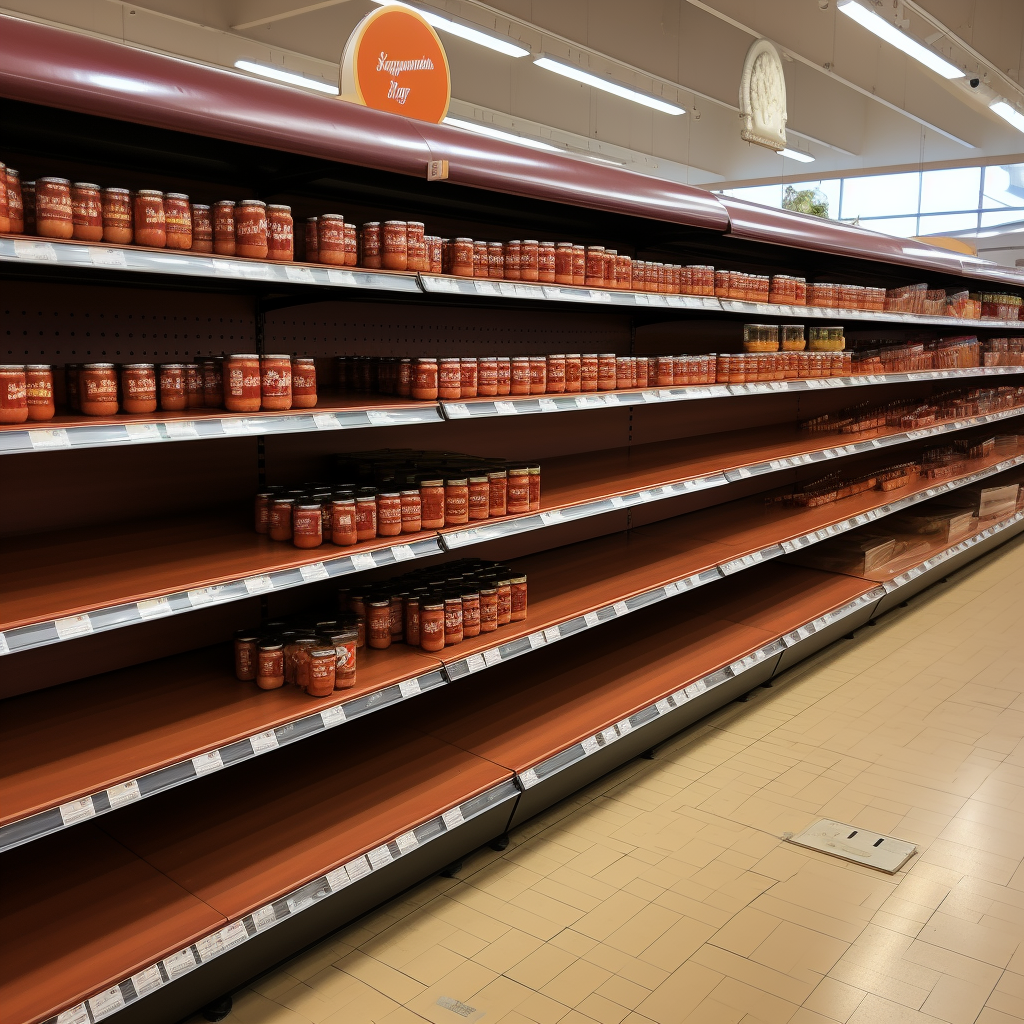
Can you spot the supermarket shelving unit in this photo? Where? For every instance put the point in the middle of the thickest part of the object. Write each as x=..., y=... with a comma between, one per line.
x=174, y=831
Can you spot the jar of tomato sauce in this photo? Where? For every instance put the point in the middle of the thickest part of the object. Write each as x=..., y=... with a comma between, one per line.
x=116, y=206
x=330, y=239
x=242, y=383
x=173, y=397
x=138, y=387
x=224, y=227
x=202, y=228
x=432, y=503
x=416, y=247
x=53, y=209
x=251, y=229
x=13, y=394
x=538, y=375
x=518, y=490
x=86, y=212
x=425, y=383
x=487, y=376
x=520, y=384
x=563, y=263
x=15, y=203
x=97, y=384
x=462, y=257
x=369, y=239
x=573, y=371
x=276, y=382
x=546, y=262
x=395, y=245
x=303, y=383
x=307, y=524
x=518, y=598
x=432, y=623
x=389, y=514
x=178, y=217
x=150, y=219
x=412, y=511
x=39, y=391
x=449, y=379
x=270, y=665
x=497, y=498
x=366, y=513
x=194, y=398
x=280, y=233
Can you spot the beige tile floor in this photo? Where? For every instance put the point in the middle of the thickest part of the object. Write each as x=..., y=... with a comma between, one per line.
x=663, y=894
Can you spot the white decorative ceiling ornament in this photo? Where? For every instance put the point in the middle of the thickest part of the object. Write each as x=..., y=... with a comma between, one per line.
x=763, y=97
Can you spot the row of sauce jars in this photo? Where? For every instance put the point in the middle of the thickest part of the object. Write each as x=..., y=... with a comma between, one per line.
x=241, y=382
x=349, y=515
x=433, y=609
x=319, y=661
x=26, y=393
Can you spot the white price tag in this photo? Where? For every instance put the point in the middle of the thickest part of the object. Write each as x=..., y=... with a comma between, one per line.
x=591, y=619
x=590, y=745
x=76, y=1015
x=142, y=431
x=107, y=257
x=296, y=904
x=210, y=946
x=4, y=648
x=232, y=935
x=380, y=857
x=528, y=778
x=263, y=741
x=506, y=409
x=256, y=271
x=357, y=868
x=72, y=626
x=492, y=657
x=552, y=633
x=609, y=735
x=181, y=428
x=379, y=417
x=180, y=963
x=700, y=686
x=548, y=405
x=235, y=427
x=407, y=841
x=536, y=640
x=204, y=764
x=453, y=818
x=620, y=608
x=343, y=277
x=34, y=251
x=664, y=705
x=333, y=716
x=313, y=572
x=325, y=421
x=403, y=552
x=652, y=396
x=156, y=608
x=106, y=1003
x=671, y=589
x=258, y=584
x=362, y=560
x=338, y=879
x=618, y=501
x=227, y=268
x=263, y=918
x=207, y=595
x=625, y=727
x=147, y=980
x=43, y=439
x=552, y=517
x=693, y=691
x=300, y=275
x=456, y=410
x=77, y=810
x=680, y=697
x=409, y=687
x=126, y=793
x=476, y=663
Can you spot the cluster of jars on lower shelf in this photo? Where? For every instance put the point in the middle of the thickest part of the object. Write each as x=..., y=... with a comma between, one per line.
x=239, y=383
x=391, y=494
x=836, y=485
x=438, y=607
x=318, y=659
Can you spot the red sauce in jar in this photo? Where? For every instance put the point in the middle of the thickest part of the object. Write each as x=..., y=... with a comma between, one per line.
x=15, y=204
x=150, y=220
x=270, y=665
x=556, y=375
x=468, y=374
x=432, y=503
x=307, y=524
x=606, y=375
x=366, y=513
x=563, y=263
x=487, y=376
x=303, y=383
x=242, y=383
x=13, y=394
x=495, y=260
x=534, y=474
x=504, y=375
x=573, y=371
x=497, y=499
x=138, y=387
x=416, y=247
x=213, y=383
x=194, y=398
x=172, y=387
x=281, y=519
x=202, y=228
x=449, y=379
x=351, y=246
x=529, y=260
x=178, y=216
x=378, y=624
x=5, y=203
x=330, y=239
x=343, y=522
x=86, y=212
x=480, y=264
x=518, y=490
x=370, y=245
x=521, y=370
x=280, y=233
x=470, y=613
x=579, y=264
x=395, y=245
x=432, y=621
x=224, y=227
x=512, y=253
x=411, y=512
x=479, y=496
x=425, y=380
x=488, y=609
x=518, y=598
x=389, y=514
x=276, y=382
x=322, y=667
x=53, y=211
x=594, y=266
x=251, y=229
x=97, y=384
x=589, y=364
x=456, y=501
x=538, y=375
x=462, y=257
x=39, y=391
x=546, y=262
x=453, y=631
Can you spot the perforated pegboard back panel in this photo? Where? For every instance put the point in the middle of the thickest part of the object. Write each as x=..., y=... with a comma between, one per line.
x=375, y=328
x=74, y=324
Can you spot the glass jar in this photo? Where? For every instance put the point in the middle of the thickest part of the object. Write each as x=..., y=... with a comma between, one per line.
x=416, y=247
x=39, y=392
x=546, y=262
x=533, y=470
x=468, y=372
x=53, y=211
x=504, y=375
x=432, y=623
x=449, y=379
x=488, y=609
x=589, y=366
x=213, y=382
x=345, y=642
x=150, y=219
x=520, y=383
x=351, y=246
x=512, y=254
x=138, y=387
x=369, y=241
x=555, y=375
x=202, y=228
x=594, y=266
x=378, y=623
x=529, y=260
x=5, y=203
x=395, y=245
x=479, y=496
x=432, y=504
x=495, y=260
x=270, y=665
x=97, y=384
x=518, y=596
x=538, y=375
x=411, y=507
x=563, y=263
x=330, y=239
x=246, y=657
x=389, y=514
x=487, y=376
x=456, y=501
x=497, y=498
x=518, y=500
x=462, y=257
x=453, y=628
x=242, y=383
x=251, y=229
x=480, y=266
x=579, y=265
x=411, y=619
x=366, y=513
x=307, y=524
x=194, y=398
x=224, y=227
x=323, y=661
x=276, y=382
x=280, y=527
x=172, y=387
x=86, y=212
x=261, y=517
x=303, y=383
x=343, y=521
x=425, y=380
x=470, y=613
x=280, y=233
x=116, y=213
x=178, y=217
x=573, y=371
x=15, y=204
x=606, y=373
x=504, y=588
x=13, y=394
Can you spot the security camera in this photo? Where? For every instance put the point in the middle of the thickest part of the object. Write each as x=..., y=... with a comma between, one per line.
x=975, y=82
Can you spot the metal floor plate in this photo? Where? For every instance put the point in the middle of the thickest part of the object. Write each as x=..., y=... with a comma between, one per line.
x=858, y=845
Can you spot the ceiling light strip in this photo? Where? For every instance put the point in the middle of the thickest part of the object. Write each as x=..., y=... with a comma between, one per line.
x=288, y=77
x=455, y=28
x=578, y=74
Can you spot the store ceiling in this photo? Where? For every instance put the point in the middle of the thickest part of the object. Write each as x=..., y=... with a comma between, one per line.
x=855, y=103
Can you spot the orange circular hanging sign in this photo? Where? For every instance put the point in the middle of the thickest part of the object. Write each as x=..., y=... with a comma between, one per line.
x=394, y=61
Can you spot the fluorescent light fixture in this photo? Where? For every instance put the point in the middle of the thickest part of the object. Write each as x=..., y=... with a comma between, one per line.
x=1009, y=114
x=795, y=154
x=286, y=76
x=579, y=75
x=462, y=31
x=891, y=34
x=496, y=133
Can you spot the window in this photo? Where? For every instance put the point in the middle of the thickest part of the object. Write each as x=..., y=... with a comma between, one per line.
x=881, y=195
